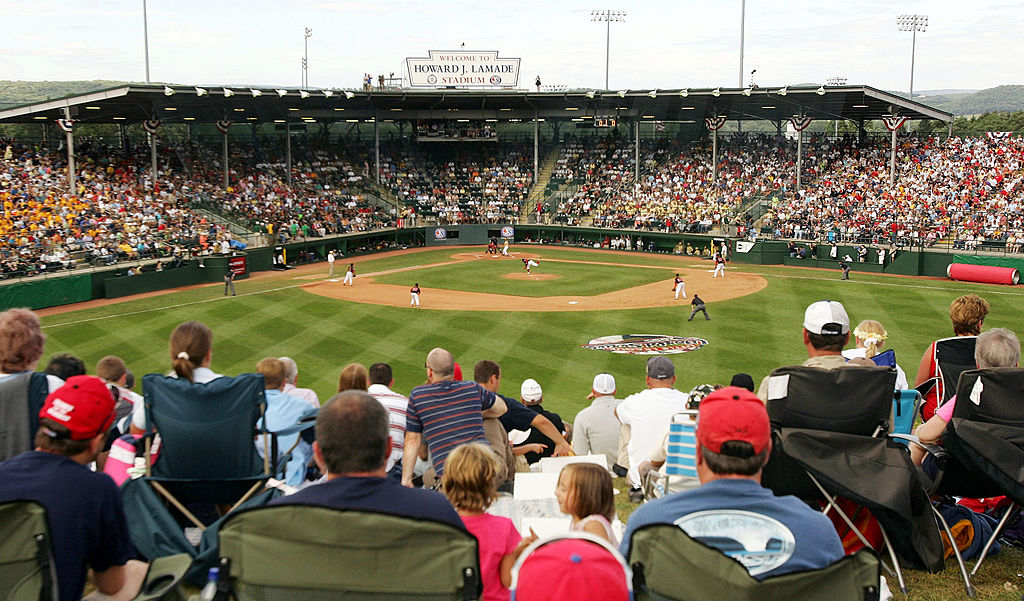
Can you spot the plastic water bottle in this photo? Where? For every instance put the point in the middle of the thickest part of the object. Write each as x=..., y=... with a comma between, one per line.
x=209, y=591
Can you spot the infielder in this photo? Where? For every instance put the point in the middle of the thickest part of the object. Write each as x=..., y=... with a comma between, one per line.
x=330, y=264
x=719, y=265
x=414, y=292
x=679, y=287
x=350, y=274
x=504, y=249
x=528, y=263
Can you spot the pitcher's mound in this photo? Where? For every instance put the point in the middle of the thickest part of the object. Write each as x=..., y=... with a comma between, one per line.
x=527, y=276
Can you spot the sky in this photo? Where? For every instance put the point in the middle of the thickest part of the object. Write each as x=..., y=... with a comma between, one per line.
x=660, y=44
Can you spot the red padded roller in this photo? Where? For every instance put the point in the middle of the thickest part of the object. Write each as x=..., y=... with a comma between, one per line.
x=987, y=274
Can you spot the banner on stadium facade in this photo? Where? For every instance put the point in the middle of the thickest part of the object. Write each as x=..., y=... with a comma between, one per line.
x=151, y=126
x=894, y=123
x=440, y=234
x=463, y=69
x=507, y=231
x=800, y=122
x=999, y=135
x=66, y=125
x=744, y=246
x=223, y=125
x=715, y=123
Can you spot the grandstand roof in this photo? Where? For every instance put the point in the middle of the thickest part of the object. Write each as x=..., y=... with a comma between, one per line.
x=183, y=104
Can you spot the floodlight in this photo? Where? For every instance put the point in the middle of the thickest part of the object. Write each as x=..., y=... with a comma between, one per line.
x=168, y=91
x=200, y=91
x=303, y=94
x=228, y=93
x=328, y=93
x=281, y=93
x=590, y=94
x=349, y=95
x=747, y=91
x=622, y=93
x=716, y=92
x=653, y=93
x=684, y=92
x=912, y=22
x=255, y=92
x=783, y=90
x=820, y=91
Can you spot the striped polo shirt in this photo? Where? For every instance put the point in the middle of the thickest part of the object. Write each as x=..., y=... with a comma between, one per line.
x=396, y=405
x=448, y=414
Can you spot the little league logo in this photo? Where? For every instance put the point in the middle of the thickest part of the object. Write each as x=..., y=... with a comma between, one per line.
x=645, y=344
x=440, y=234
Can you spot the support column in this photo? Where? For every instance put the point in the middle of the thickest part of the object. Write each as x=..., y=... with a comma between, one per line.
x=714, y=154
x=892, y=161
x=224, y=159
x=376, y=148
x=636, y=170
x=799, y=160
x=288, y=150
x=536, y=147
x=70, y=137
x=122, y=138
x=950, y=130
x=152, y=159
x=45, y=135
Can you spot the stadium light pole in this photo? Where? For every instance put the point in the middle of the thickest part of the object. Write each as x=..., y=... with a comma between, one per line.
x=305, y=58
x=607, y=16
x=913, y=24
x=145, y=36
x=743, y=20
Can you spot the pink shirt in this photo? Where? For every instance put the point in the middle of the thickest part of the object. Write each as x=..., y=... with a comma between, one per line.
x=945, y=410
x=497, y=537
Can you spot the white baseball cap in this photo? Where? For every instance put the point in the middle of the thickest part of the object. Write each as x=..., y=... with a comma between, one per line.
x=827, y=317
x=530, y=390
x=604, y=384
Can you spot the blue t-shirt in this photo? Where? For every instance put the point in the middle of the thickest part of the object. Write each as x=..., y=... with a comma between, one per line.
x=284, y=411
x=382, y=495
x=448, y=413
x=87, y=524
x=769, y=535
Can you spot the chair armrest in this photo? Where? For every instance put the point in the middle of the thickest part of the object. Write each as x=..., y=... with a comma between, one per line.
x=164, y=576
x=940, y=453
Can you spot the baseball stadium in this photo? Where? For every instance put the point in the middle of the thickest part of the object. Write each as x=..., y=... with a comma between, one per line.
x=683, y=239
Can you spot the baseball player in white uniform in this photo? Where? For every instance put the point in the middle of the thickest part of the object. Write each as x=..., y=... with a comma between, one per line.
x=504, y=249
x=330, y=264
x=680, y=287
x=350, y=275
x=414, y=293
x=719, y=265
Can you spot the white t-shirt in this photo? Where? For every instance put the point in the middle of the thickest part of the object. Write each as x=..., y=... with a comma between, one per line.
x=648, y=414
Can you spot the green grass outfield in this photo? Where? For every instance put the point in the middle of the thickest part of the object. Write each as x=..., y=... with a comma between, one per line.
x=273, y=316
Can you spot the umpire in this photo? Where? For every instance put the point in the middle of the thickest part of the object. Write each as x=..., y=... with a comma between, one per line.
x=229, y=281
x=698, y=307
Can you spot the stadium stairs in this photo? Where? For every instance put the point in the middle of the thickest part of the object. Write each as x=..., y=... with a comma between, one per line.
x=538, y=192
x=238, y=231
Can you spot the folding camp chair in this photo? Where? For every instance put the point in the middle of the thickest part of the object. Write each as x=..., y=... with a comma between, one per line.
x=952, y=356
x=27, y=571
x=680, y=469
x=207, y=454
x=21, y=398
x=301, y=551
x=905, y=405
x=829, y=441
x=669, y=565
x=983, y=445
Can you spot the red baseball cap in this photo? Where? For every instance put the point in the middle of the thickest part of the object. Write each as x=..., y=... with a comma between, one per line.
x=83, y=405
x=733, y=414
x=571, y=569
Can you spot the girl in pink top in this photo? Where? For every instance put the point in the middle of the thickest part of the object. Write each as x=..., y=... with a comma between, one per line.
x=585, y=492
x=470, y=483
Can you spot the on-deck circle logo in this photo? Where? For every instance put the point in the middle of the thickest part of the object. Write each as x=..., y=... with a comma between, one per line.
x=645, y=344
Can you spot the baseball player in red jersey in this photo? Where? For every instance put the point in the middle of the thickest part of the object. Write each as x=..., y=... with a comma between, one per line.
x=349, y=275
x=719, y=265
x=528, y=263
x=679, y=287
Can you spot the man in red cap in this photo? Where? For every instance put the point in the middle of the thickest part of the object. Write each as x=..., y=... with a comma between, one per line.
x=731, y=510
x=88, y=529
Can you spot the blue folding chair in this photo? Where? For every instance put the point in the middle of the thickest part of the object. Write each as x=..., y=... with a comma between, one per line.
x=680, y=469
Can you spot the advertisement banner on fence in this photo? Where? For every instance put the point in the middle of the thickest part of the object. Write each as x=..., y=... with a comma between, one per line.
x=744, y=246
x=237, y=265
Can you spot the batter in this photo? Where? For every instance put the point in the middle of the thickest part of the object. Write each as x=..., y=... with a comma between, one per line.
x=719, y=266
x=350, y=275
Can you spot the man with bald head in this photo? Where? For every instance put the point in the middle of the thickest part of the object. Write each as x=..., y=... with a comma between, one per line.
x=445, y=413
x=352, y=447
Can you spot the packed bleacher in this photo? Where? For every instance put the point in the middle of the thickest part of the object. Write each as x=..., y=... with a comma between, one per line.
x=501, y=480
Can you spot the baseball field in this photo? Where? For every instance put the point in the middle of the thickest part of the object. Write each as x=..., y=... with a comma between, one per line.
x=485, y=307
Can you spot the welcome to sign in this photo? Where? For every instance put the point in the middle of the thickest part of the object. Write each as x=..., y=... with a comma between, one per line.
x=459, y=68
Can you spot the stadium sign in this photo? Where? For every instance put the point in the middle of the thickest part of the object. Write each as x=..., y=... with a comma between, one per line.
x=645, y=344
x=463, y=69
